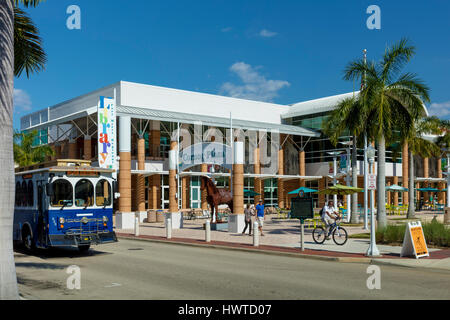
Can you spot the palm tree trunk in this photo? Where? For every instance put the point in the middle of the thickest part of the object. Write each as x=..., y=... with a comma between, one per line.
x=381, y=181
x=411, y=205
x=354, y=218
x=8, y=280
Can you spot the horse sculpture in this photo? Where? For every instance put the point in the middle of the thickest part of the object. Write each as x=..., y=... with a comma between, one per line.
x=216, y=196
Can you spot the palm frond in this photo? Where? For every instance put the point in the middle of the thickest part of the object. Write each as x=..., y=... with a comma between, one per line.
x=28, y=52
x=28, y=3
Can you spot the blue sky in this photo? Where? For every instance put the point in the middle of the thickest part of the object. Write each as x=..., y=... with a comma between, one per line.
x=279, y=51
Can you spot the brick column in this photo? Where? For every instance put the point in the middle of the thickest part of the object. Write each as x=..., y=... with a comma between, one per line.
x=204, y=192
x=322, y=183
x=155, y=138
x=389, y=194
x=302, y=167
x=405, y=172
x=396, y=193
x=87, y=150
x=58, y=152
x=238, y=178
x=441, y=185
x=140, y=180
x=73, y=154
x=125, y=164
x=185, y=188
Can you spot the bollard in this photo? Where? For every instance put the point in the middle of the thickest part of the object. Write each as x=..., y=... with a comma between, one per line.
x=255, y=234
x=208, y=231
x=136, y=226
x=169, y=228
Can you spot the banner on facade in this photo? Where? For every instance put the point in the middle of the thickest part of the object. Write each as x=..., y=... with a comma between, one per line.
x=212, y=153
x=106, y=133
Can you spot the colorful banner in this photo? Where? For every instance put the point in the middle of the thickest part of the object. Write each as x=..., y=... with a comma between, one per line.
x=106, y=133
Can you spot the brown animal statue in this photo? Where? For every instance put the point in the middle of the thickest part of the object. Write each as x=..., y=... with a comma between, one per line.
x=216, y=196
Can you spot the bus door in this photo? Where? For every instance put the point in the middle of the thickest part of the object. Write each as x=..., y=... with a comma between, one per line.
x=41, y=206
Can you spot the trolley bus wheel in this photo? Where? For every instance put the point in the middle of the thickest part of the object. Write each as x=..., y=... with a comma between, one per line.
x=27, y=239
x=84, y=247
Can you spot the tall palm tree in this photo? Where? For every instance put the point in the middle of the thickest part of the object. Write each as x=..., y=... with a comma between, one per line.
x=418, y=145
x=25, y=154
x=390, y=102
x=10, y=65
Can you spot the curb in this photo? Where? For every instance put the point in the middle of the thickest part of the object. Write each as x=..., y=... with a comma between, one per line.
x=261, y=251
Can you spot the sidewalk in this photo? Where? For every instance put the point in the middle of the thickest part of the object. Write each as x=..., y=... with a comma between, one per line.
x=283, y=237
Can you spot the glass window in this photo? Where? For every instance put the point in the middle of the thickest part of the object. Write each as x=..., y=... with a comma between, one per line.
x=24, y=201
x=18, y=194
x=30, y=194
x=62, y=193
x=84, y=193
x=103, y=193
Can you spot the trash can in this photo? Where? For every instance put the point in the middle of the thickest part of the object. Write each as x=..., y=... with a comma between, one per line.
x=151, y=216
x=160, y=217
x=447, y=215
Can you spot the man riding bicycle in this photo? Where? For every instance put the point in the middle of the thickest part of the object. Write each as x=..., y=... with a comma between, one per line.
x=329, y=217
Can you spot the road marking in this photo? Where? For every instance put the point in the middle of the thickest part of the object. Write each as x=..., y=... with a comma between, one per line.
x=112, y=285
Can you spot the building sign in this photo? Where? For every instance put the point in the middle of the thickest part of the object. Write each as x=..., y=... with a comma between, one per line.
x=372, y=185
x=106, y=133
x=414, y=241
x=211, y=153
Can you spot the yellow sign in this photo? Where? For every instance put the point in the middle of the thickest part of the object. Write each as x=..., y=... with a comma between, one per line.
x=414, y=243
x=419, y=241
x=82, y=173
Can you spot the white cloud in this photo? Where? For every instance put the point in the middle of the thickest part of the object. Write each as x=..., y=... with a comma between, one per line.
x=442, y=110
x=267, y=34
x=255, y=86
x=227, y=29
x=22, y=101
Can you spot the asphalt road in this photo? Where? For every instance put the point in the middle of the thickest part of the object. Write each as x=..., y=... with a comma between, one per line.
x=133, y=269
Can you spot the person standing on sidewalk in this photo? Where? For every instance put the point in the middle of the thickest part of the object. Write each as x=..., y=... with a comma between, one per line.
x=260, y=215
x=248, y=219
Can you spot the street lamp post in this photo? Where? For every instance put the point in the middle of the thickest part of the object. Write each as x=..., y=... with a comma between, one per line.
x=348, y=177
x=372, y=251
x=335, y=154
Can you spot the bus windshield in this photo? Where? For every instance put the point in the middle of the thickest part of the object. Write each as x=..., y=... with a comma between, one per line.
x=62, y=194
x=84, y=193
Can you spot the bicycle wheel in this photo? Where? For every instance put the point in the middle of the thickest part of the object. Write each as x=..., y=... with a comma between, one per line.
x=319, y=235
x=340, y=236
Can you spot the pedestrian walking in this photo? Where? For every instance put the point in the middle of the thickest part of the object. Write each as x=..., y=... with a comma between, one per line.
x=260, y=216
x=249, y=213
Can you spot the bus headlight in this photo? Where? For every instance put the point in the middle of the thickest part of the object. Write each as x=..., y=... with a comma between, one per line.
x=61, y=222
x=105, y=219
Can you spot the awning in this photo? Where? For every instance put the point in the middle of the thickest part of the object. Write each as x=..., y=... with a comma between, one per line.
x=171, y=116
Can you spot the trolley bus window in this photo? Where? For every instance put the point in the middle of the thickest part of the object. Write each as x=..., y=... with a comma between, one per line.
x=30, y=194
x=62, y=193
x=103, y=193
x=84, y=193
x=18, y=194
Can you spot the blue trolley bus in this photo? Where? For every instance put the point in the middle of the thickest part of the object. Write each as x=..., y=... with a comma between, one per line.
x=64, y=203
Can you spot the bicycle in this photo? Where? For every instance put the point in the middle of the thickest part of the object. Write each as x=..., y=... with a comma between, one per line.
x=339, y=234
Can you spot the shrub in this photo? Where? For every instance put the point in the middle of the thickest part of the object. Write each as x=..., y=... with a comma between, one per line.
x=436, y=234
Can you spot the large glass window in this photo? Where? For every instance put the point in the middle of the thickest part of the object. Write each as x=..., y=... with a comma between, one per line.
x=103, y=193
x=62, y=193
x=24, y=194
x=84, y=193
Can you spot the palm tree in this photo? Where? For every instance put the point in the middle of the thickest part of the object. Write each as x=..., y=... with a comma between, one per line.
x=390, y=102
x=10, y=64
x=418, y=145
x=25, y=154
x=346, y=117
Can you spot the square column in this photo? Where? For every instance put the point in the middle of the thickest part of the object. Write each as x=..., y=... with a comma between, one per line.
x=204, y=192
x=405, y=168
x=302, y=167
x=87, y=149
x=440, y=184
x=396, y=193
x=281, y=172
x=140, y=181
x=257, y=181
x=125, y=164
